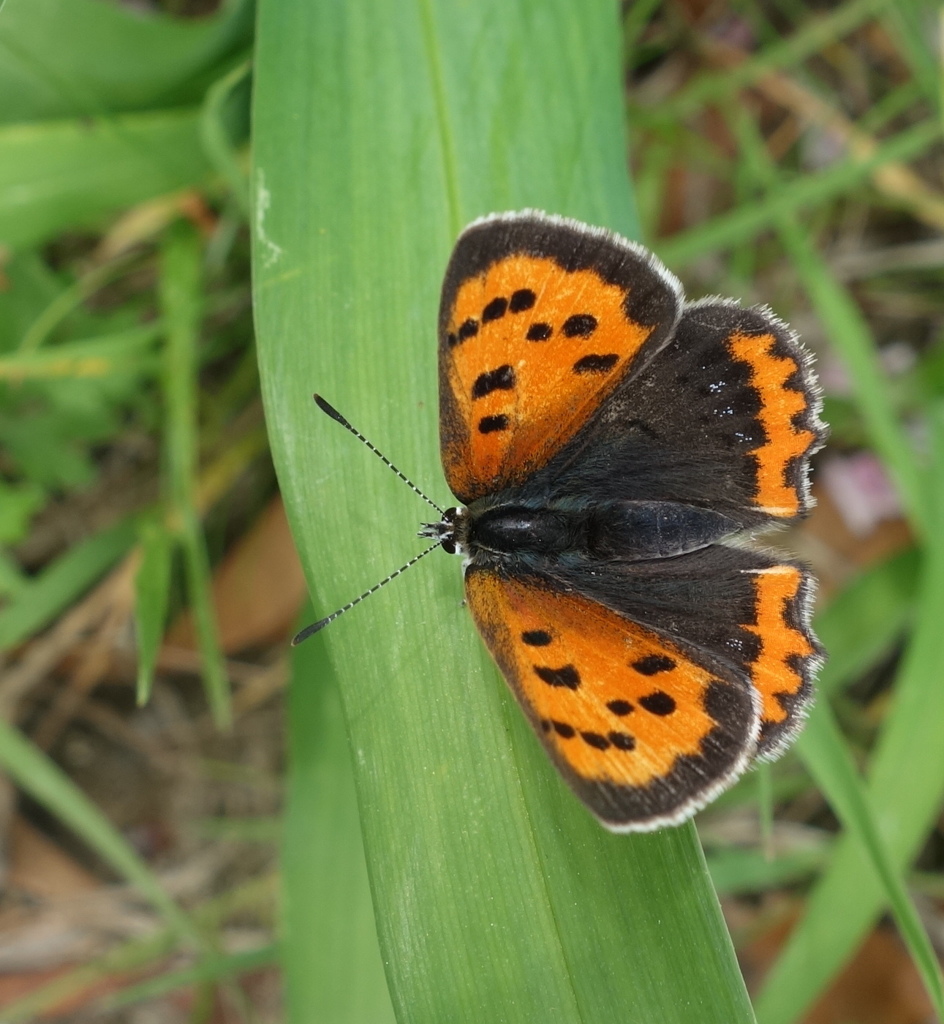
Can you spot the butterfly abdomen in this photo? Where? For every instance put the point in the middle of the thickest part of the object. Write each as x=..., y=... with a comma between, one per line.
x=629, y=530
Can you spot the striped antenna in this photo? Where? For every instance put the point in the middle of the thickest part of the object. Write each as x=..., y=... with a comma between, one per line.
x=321, y=623
x=326, y=407
x=316, y=627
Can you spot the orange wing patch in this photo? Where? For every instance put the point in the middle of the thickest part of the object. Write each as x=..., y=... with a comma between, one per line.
x=530, y=351
x=781, y=406
x=781, y=671
x=615, y=703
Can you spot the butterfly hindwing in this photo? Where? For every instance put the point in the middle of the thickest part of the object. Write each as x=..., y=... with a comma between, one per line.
x=726, y=417
x=541, y=319
x=642, y=730
x=745, y=608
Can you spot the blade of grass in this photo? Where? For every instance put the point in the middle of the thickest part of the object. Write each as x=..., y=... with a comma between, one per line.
x=40, y=600
x=906, y=785
x=92, y=357
x=216, y=141
x=70, y=299
x=60, y=58
x=378, y=133
x=38, y=775
x=809, y=40
x=739, y=226
x=329, y=930
x=824, y=751
x=861, y=624
x=826, y=760
x=138, y=954
x=736, y=870
x=70, y=174
x=214, y=968
x=151, y=593
x=180, y=282
x=915, y=26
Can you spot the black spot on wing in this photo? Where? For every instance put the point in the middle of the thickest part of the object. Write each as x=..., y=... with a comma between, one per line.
x=620, y=707
x=468, y=329
x=566, y=676
x=495, y=310
x=622, y=740
x=490, y=424
x=652, y=664
x=594, y=739
x=580, y=325
x=539, y=332
x=596, y=363
x=521, y=300
x=502, y=379
x=658, y=703
x=564, y=730
x=536, y=638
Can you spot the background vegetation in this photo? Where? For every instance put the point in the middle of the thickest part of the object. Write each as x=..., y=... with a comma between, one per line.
x=783, y=152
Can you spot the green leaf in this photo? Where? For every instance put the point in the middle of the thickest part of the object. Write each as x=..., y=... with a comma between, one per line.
x=70, y=174
x=742, y=224
x=906, y=785
x=151, y=595
x=123, y=352
x=38, y=602
x=180, y=288
x=379, y=131
x=46, y=783
x=864, y=621
x=18, y=503
x=61, y=58
x=330, y=935
x=824, y=750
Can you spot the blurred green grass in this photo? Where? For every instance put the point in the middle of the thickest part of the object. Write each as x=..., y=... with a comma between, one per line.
x=376, y=136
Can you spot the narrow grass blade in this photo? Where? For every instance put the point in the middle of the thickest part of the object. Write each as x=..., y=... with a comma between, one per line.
x=738, y=870
x=741, y=225
x=56, y=175
x=824, y=752
x=379, y=132
x=138, y=955
x=129, y=351
x=906, y=785
x=151, y=590
x=865, y=620
x=39, y=601
x=329, y=930
x=209, y=969
x=214, y=131
x=816, y=33
x=106, y=57
x=46, y=783
x=180, y=301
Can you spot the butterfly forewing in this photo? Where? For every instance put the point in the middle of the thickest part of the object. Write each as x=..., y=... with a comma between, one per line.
x=541, y=320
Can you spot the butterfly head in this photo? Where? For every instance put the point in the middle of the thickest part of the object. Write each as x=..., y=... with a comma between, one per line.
x=452, y=531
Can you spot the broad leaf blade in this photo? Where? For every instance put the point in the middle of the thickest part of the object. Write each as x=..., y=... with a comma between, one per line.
x=379, y=132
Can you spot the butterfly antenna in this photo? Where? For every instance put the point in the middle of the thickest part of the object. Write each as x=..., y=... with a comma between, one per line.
x=326, y=407
x=315, y=627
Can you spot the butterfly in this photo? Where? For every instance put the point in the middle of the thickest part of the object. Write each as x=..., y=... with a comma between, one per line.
x=614, y=448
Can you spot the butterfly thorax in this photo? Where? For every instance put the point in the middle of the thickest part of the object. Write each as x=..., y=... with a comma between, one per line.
x=625, y=530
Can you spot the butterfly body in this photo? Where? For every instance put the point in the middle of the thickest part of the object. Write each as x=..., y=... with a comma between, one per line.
x=628, y=530
x=611, y=447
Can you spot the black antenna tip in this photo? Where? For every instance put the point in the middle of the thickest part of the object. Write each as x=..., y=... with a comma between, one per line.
x=329, y=409
x=308, y=631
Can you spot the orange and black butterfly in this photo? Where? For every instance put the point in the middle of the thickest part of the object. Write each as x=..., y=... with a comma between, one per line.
x=612, y=446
